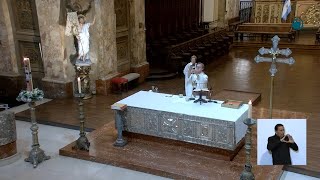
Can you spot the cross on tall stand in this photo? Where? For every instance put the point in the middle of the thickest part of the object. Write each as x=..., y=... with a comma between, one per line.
x=274, y=51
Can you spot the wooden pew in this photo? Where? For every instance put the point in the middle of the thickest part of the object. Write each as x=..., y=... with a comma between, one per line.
x=265, y=30
x=186, y=46
x=199, y=47
x=234, y=23
x=269, y=24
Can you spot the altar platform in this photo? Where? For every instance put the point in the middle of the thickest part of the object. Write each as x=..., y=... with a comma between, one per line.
x=183, y=161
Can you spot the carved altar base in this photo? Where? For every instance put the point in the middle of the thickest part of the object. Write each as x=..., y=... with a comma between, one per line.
x=172, y=117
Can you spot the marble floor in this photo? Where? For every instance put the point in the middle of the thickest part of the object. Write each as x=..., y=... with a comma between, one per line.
x=60, y=167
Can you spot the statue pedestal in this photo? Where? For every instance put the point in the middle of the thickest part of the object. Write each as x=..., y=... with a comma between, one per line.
x=82, y=71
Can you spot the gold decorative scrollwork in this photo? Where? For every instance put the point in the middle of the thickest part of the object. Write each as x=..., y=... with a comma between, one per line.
x=272, y=17
x=312, y=15
x=258, y=16
x=265, y=16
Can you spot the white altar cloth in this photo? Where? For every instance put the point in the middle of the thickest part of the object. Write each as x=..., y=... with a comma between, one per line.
x=175, y=104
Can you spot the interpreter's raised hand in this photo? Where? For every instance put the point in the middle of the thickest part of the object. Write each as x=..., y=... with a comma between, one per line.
x=290, y=139
x=282, y=139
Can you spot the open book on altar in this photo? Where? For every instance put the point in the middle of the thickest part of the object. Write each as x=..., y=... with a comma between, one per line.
x=118, y=106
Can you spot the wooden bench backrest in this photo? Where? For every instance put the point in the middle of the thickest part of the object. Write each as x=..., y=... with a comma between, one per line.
x=176, y=49
x=233, y=20
x=263, y=28
x=268, y=24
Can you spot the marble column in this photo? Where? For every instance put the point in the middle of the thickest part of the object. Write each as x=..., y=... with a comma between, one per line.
x=103, y=49
x=56, y=49
x=233, y=7
x=222, y=13
x=214, y=5
x=138, y=58
x=9, y=73
x=8, y=137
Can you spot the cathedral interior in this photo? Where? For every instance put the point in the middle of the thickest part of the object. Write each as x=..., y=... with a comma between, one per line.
x=266, y=51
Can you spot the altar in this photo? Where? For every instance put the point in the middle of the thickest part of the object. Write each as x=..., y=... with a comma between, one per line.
x=172, y=117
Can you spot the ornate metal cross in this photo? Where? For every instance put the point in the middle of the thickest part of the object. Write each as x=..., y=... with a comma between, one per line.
x=274, y=51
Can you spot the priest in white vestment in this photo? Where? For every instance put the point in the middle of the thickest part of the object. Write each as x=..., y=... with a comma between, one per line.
x=188, y=72
x=200, y=78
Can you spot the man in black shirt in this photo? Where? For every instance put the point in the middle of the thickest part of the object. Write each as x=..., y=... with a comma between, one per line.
x=279, y=145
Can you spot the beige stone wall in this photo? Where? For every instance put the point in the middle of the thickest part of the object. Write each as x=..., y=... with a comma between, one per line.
x=8, y=64
x=137, y=33
x=221, y=13
x=103, y=40
x=216, y=9
x=57, y=47
x=54, y=43
x=208, y=10
x=232, y=8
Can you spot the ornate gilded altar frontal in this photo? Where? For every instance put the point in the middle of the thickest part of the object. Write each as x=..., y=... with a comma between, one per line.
x=268, y=12
x=309, y=12
x=197, y=129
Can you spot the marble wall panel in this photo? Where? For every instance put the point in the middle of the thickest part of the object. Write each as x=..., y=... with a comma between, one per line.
x=8, y=63
x=232, y=8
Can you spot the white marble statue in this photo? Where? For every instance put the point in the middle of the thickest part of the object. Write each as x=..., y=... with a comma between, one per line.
x=188, y=72
x=83, y=38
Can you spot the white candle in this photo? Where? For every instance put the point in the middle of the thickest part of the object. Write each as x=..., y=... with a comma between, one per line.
x=27, y=70
x=250, y=109
x=79, y=85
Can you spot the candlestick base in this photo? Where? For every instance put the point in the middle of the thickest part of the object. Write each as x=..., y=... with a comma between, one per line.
x=36, y=156
x=87, y=96
x=79, y=95
x=120, y=142
x=249, y=121
x=82, y=143
x=246, y=173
